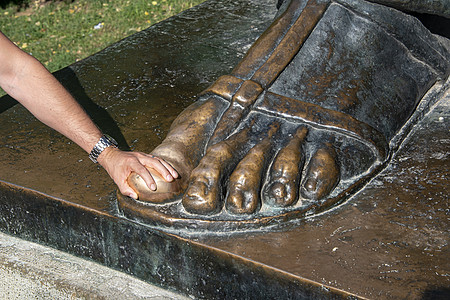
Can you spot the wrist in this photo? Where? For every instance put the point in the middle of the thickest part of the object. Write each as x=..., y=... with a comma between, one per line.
x=106, y=156
x=104, y=143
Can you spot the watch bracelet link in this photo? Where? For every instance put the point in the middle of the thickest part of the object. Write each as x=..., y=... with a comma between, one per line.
x=104, y=142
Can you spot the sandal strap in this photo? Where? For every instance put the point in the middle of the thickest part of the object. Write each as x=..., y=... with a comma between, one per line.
x=243, y=95
x=269, y=55
x=317, y=116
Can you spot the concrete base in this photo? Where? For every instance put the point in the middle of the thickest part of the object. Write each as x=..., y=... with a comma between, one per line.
x=32, y=271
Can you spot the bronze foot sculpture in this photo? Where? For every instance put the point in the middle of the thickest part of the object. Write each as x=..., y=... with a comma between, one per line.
x=312, y=112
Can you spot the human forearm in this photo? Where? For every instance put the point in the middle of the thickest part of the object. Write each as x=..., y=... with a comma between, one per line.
x=29, y=82
x=35, y=88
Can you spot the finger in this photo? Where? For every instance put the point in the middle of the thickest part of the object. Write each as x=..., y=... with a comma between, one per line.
x=157, y=164
x=125, y=189
x=170, y=168
x=167, y=165
x=146, y=176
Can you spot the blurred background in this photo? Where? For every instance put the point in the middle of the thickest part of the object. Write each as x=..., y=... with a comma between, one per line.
x=61, y=32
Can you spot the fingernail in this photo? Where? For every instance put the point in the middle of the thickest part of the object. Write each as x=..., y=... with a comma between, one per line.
x=169, y=178
x=153, y=187
x=134, y=196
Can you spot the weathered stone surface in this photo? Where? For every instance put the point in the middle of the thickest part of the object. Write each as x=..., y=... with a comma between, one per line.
x=32, y=271
x=436, y=7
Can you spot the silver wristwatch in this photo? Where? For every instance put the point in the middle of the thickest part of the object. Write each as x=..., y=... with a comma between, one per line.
x=104, y=142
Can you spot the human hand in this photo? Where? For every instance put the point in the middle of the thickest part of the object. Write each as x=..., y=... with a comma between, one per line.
x=119, y=165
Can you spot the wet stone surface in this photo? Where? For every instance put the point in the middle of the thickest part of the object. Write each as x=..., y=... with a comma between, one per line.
x=388, y=241
x=133, y=90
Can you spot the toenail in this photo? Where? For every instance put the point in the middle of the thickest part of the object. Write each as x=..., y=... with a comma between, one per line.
x=311, y=185
x=279, y=191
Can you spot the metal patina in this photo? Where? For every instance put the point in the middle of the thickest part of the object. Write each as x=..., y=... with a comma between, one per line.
x=389, y=240
x=314, y=110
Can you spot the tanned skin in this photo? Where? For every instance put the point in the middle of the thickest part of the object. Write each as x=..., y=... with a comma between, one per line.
x=25, y=79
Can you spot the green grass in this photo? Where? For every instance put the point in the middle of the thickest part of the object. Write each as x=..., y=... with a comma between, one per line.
x=59, y=33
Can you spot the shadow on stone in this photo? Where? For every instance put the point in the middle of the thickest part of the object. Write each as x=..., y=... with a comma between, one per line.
x=442, y=293
x=98, y=114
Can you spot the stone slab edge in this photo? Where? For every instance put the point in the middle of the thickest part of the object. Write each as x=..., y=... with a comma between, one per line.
x=166, y=260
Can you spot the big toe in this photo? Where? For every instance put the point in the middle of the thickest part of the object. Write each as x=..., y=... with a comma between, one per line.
x=165, y=191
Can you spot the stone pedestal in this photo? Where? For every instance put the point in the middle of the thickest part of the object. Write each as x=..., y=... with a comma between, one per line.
x=388, y=241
